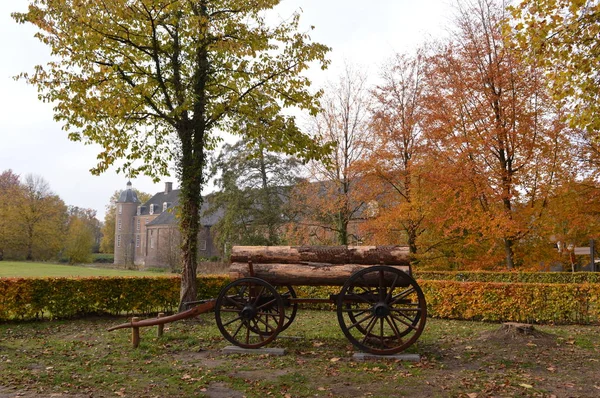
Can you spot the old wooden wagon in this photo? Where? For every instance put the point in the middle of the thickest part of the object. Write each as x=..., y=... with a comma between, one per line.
x=380, y=308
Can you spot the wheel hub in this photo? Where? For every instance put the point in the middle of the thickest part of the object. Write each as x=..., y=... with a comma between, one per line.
x=248, y=312
x=381, y=310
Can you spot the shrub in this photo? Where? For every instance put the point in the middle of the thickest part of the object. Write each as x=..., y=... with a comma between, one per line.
x=103, y=258
x=24, y=298
x=506, y=277
x=517, y=302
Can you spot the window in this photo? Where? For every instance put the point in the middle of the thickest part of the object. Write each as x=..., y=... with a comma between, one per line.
x=120, y=207
x=139, y=210
x=165, y=205
x=137, y=241
x=118, y=240
x=120, y=224
x=152, y=208
x=202, y=245
x=146, y=221
x=151, y=243
x=138, y=224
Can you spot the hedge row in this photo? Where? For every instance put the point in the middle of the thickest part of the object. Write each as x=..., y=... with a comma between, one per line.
x=509, y=277
x=519, y=302
x=516, y=302
x=24, y=298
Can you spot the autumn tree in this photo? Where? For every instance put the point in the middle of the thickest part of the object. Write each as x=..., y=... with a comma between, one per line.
x=157, y=81
x=494, y=131
x=10, y=196
x=41, y=219
x=81, y=235
x=561, y=36
x=107, y=243
x=331, y=198
x=253, y=190
x=397, y=149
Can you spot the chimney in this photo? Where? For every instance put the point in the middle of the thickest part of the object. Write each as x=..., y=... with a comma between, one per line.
x=168, y=187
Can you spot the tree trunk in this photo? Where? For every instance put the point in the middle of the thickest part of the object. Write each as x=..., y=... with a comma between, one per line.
x=369, y=255
x=510, y=261
x=307, y=274
x=192, y=133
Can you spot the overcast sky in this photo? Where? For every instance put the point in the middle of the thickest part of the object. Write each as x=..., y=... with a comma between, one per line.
x=364, y=33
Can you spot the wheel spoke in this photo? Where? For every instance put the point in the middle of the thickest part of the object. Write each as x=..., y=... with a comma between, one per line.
x=369, y=328
x=381, y=289
x=266, y=304
x=394, y=327
x=237, y=304
x=401, y=295
x=258, y=296
x=357, y=323
x=389, y=296
x=265, y=322
x=232, y=320
x=410, y=325
x=239, y=328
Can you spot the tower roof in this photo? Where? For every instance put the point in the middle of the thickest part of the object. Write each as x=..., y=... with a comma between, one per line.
x=128, y=195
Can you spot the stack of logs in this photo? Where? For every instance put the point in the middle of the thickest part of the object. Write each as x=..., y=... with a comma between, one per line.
x=312, y=265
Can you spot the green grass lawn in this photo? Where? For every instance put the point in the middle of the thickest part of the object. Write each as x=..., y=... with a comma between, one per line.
x=22, y=269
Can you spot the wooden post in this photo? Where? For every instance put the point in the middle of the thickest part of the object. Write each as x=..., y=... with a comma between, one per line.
x=135, y=333
x=161, y=327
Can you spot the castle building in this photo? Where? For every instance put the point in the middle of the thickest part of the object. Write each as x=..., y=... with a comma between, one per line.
x=147, y=234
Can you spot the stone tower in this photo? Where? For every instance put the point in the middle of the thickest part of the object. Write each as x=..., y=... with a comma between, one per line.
x=124, y=229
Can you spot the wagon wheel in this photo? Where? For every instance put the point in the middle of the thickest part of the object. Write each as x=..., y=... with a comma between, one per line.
x=286, y=292
x=381, y=310
x=249, y=312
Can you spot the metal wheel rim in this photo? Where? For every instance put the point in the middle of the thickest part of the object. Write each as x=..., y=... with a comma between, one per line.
x=381, y=310
x=249, y=312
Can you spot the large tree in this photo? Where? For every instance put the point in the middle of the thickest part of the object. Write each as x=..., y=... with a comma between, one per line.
x=156, y=80
x=42, y=219
x=82, y=229
x=332, y=197
x=562, y=37
x=397, y=152
x=254, y=186
x=10, y=196
x=494, y=132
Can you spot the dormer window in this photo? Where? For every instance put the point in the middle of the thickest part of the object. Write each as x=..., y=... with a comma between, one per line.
x=165, y=205
x=151, y=208
x=139, y=210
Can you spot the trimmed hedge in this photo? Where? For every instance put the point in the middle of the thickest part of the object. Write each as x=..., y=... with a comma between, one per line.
x=517, y=302
x=22, y=298
x=34, y=298
x=508, y=277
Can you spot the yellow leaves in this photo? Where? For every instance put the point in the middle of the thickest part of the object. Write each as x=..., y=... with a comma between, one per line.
x=563, y=303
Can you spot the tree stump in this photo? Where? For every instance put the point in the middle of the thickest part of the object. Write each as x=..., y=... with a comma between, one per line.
x=518, y=328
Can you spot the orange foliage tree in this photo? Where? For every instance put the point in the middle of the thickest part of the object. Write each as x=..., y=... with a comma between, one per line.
x=397, y=148
x=496, y=135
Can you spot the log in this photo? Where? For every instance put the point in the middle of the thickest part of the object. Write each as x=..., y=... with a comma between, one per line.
x=301, y=274
x=367, y=255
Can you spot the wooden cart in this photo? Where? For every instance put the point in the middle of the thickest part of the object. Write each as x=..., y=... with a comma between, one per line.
x=380, y=308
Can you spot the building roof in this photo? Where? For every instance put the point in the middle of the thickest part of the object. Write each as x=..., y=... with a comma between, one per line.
x=168, y=217
x=171, y=197
x=128, y=195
